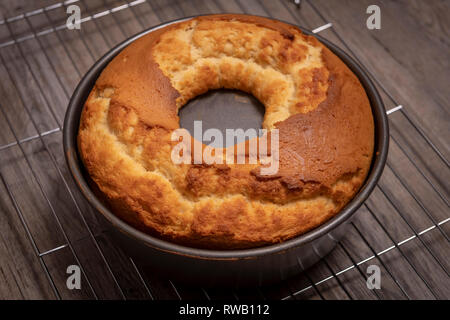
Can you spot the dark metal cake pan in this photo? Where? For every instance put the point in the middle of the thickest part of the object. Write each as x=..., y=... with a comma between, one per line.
x=257, y=266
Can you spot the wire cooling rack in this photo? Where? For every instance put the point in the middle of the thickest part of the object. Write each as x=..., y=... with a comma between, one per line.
x=47, y=225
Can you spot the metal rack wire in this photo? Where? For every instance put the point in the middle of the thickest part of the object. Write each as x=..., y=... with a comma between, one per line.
x=314, y=285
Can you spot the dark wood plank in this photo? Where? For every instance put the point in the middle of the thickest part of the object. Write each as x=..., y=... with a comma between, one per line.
x=13, y=111
x=21, y=275
x=161, y=288
x=401, y=269
x=71, y=38
x=35, y=68
x=358, y=247
x=218, y=294
x=96, y=223
x=192, y=292
x=414, y=147
x=294, y=288
x=195, y=7
x=58, y=59
x=414, y=215
x=6, y=136
x=69, y=222
x=30, y=200
x=353, y=280
x=57, y=263
x=13, y=8
x=330, y=289
x=426, y=266
x=101, y=278
x=129, y=280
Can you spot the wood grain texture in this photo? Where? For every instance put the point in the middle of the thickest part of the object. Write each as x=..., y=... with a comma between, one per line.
x=409, y=59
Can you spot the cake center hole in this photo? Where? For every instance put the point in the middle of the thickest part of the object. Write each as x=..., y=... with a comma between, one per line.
x=223, y=109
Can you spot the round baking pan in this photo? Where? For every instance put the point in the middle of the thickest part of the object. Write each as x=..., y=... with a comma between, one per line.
x=257, y=266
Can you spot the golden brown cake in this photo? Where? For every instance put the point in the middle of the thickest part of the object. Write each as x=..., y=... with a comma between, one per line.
x=326, y=133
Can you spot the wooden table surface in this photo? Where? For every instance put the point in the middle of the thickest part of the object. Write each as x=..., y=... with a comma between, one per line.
x=46, y=225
